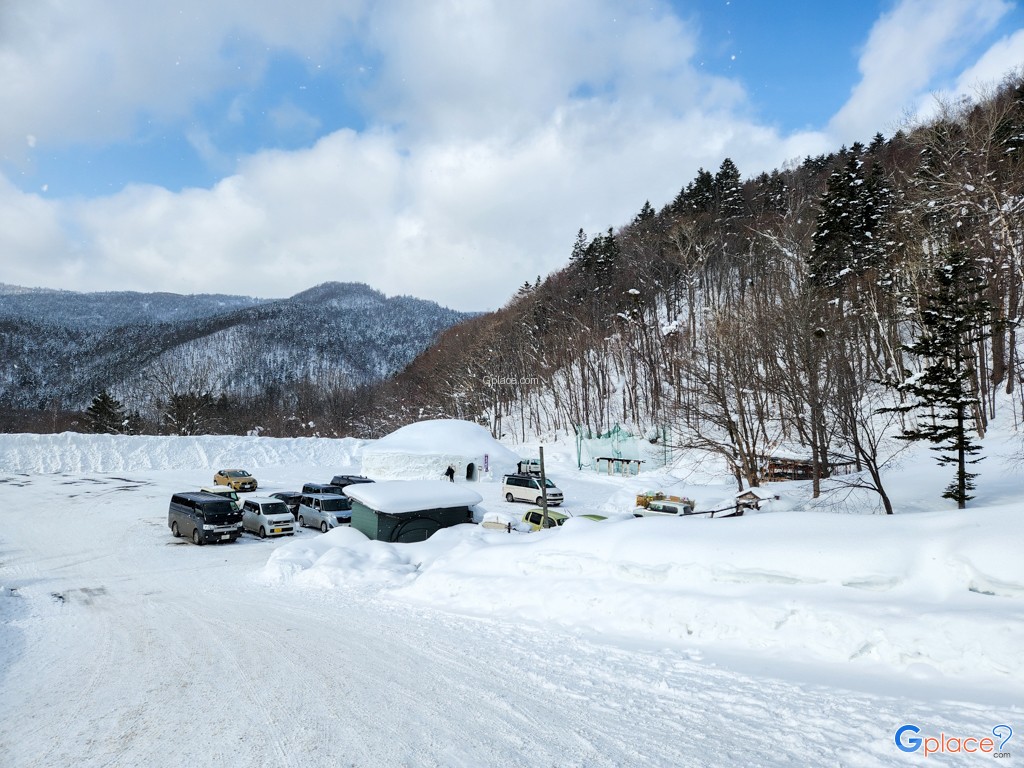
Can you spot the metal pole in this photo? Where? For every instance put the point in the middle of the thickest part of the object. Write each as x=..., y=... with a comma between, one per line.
x=543, y=491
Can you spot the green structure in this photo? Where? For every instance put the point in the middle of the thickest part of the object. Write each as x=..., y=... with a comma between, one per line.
x=613, y=452
x=409, y=510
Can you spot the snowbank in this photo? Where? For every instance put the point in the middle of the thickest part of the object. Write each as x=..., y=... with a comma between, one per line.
x=928, y=593
x=75, y=452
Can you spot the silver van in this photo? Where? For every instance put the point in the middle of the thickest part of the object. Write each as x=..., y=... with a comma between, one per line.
x=324, y=511
x=205, y=517
x=267, y=517
x=526, y=487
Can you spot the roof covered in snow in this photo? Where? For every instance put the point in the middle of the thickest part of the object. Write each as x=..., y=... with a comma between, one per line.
x=758, y=492
x=446, y=437
x=398, y=496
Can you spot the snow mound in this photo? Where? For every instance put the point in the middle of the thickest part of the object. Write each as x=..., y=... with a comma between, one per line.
x=914, y=592
x=342, y=556
x=424, y=450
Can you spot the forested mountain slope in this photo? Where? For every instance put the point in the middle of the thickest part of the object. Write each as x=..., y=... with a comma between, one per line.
x=834, y=306
x=60, y=349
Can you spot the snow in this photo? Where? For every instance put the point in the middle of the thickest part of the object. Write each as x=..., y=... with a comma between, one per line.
x=805, y=635
x=425, y=449
x=913, y=593
x=398, y=496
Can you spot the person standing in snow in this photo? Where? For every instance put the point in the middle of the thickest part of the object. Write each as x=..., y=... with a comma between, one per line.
x=450, y=473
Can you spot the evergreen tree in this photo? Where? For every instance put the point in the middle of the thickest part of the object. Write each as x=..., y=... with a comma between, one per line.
x=606, y=257
x=106, y=416
x=698, y=196
x=952, y=323
x=729, y=191
x=646, y=213
x=579, y=248
x=845, y=244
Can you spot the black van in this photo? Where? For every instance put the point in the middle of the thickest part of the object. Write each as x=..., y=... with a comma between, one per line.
x=206, y=517
x=323, y=488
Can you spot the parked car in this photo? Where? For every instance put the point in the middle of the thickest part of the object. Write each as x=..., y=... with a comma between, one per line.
x=663, y=507
x=227, y=493
x=535, y=518
x=323, y=488
x=529, y=467
x=204, y=517
x=236, y=479
x=343, y=480
x=267, y=517
x=290, y=499
x=523, y=487
x=324, y=511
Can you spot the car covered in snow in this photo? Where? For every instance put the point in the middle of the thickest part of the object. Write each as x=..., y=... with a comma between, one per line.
x=236, y=479
x=324, y=511
x=267, y=517
x=665, y=507
x=534, y=518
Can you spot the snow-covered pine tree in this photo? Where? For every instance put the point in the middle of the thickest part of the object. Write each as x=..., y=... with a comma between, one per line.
x=106, y=415
x=844, y=242
x=953, y=321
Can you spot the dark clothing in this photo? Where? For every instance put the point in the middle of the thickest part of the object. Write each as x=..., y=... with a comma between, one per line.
x=450, y=473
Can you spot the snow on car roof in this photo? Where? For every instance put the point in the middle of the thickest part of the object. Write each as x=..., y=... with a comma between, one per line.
x=398, y=496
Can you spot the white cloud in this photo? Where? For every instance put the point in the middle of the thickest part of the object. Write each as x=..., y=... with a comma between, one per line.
x=496, y=131
x=503, y=129
x=464, y=223
x=1003, y=57
x=906, y=50
x=85, y=71
x=32, y=232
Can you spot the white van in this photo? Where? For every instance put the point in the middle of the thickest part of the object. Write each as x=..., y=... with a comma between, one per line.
x=524, y=487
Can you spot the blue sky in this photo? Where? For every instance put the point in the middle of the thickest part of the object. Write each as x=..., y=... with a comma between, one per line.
x=447, y=150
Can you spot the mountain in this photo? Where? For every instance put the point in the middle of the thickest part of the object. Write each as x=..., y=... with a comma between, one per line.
x=97, y=311
x=65, y=347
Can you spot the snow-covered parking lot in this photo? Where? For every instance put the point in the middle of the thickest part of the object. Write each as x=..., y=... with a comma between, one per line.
x=784, y=639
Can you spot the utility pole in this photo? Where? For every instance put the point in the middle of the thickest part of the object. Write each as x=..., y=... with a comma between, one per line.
x=543, y=491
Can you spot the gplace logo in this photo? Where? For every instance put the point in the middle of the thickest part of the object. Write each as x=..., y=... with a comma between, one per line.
x=907, y=740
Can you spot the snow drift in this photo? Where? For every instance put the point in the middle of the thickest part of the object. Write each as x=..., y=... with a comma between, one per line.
x=926, y=593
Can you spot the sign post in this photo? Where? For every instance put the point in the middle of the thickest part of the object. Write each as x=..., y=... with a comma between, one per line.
x=543, y=491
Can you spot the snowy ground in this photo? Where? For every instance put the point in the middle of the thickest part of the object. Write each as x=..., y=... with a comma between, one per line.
x=804, y=636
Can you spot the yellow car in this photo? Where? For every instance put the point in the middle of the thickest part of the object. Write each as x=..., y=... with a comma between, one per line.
x=236, y=479
x=535, y=518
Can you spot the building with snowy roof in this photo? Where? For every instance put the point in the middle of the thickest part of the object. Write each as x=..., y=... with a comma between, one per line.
x=425, y=450
x=409, y=510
